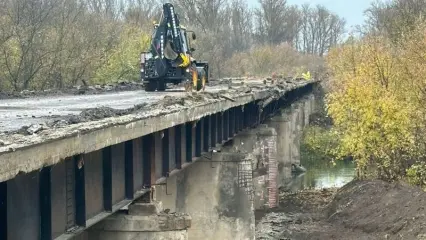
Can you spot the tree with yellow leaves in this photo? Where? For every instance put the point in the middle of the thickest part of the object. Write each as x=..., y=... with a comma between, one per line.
x=374, y=101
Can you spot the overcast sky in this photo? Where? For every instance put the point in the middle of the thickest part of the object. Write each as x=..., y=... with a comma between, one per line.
x=351, y=10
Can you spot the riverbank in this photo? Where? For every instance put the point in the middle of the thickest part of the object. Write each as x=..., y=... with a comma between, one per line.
x=370, y=209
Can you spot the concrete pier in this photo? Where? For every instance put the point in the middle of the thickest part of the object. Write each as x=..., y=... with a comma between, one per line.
x=289, y=124
x=216, y=192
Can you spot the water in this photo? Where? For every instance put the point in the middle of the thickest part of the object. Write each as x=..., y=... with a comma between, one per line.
x=321, y=174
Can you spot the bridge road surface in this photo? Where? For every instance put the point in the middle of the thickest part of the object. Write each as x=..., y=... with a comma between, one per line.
x=15, y=113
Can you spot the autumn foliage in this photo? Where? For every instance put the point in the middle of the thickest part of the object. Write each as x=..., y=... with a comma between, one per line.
x=377, y=102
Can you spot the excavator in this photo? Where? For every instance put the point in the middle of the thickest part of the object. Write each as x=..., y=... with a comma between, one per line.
x=170, y=57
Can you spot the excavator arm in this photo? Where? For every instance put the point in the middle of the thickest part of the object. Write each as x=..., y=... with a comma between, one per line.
x=169, y=59
x=168, y=41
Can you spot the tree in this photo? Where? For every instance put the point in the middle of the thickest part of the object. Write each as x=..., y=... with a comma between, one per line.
x=394, y=18
x=276, y=22
x=377, y=101
x=319, y=30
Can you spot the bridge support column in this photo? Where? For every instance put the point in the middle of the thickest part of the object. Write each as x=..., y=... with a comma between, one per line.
x=143, y=221
x=199, y=138
x=226, y=123
x=3, y=210
x=206, y=134
x=232, y=120
x=188, y=142
x=148, y=156
x=213, y=130
x=179, y=146
x=289, y=125
x=240, y=119
x=219, y=128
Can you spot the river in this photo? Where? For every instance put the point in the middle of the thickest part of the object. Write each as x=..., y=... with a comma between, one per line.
x=321, y=175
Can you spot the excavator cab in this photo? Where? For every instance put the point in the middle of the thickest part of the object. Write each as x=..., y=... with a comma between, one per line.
x=170, y=59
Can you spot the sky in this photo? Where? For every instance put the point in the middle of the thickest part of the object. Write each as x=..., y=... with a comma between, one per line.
x=351, y=10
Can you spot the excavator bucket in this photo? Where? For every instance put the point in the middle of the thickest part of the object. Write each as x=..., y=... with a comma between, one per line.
x=169, y=53
x=195, y=82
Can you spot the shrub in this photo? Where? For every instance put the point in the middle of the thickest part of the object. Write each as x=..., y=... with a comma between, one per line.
x=123, y=60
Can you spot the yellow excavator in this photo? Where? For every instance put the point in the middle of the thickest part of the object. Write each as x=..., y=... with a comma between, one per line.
x=170, y=57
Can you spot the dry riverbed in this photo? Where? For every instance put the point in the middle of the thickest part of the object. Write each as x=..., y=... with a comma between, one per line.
x=359, y=210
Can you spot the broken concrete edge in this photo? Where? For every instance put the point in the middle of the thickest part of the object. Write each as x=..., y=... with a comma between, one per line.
x=38, y=151
x=121, y=222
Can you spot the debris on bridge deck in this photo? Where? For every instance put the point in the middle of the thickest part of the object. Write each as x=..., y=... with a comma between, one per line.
x=100, y=117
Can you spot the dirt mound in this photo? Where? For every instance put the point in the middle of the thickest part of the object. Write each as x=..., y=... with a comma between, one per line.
x=300, y=216
x=370, y=209
x=391, y=210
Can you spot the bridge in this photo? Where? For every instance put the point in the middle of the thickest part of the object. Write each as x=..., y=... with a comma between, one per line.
x=59, y=180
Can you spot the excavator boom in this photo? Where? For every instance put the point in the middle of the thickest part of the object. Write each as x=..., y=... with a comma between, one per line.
x=170, y=59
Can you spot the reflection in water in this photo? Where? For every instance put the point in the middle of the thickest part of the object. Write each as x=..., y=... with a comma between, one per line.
x=321, y=175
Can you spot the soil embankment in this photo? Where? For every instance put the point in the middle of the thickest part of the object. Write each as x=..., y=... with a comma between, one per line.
x=359, y=210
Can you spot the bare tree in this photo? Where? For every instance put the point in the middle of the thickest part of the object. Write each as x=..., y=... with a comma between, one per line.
x=241, y=25
x=394, y=17
x=142, y=12
x=319, y=30
x=275, y=22
x=205, y=14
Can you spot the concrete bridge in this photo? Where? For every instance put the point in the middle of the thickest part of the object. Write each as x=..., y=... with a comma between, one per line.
x=135, y=175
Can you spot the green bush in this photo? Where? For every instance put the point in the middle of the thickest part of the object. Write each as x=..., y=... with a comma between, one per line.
x=123, y=61
x=321, y=142
x=416, y=174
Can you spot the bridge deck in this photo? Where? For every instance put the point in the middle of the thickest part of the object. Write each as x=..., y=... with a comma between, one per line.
x=62, y=180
